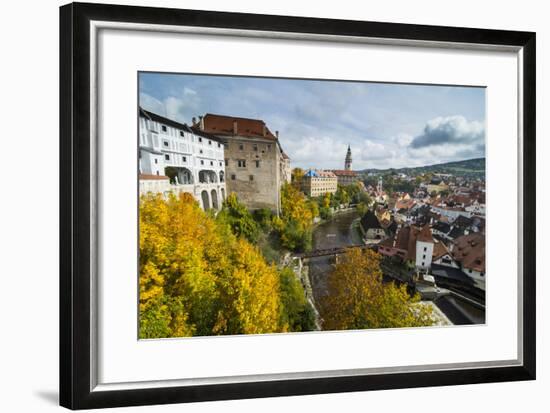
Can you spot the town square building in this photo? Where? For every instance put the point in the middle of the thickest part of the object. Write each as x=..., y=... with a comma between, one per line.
x=318, y=182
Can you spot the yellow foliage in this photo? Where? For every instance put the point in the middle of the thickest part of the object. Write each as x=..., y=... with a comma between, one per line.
x=197, y=278
x=357, y=298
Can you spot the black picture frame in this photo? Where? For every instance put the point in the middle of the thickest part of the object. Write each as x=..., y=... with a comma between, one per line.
x=75, y=218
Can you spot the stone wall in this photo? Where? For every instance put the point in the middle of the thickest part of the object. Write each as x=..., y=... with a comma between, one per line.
x=256, y=181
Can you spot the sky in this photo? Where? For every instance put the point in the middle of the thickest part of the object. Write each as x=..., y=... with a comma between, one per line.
x=386, y=125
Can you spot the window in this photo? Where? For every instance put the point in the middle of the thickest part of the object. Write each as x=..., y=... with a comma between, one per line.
x=156, y=160
x=220, y=164
x=165, y=143
x=241, y=163
x=211, y=163
x=158, y=173
x=164, y=129
x=423, y=264
x=184, y=158
x=424, y=257
x=257, y=164
x=233, y=177
x=268, y=147
x=181, y=134
x=255, y=148
x=200, y=151
x=219, y=145
x=202, y=162
x=200, y=139
x=241, y=147
x=226, y=162
x=167, y=157
x=251, y=178
x=210, y=142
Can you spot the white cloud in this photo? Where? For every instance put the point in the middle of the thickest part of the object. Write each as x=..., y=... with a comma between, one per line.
x=403, y=140
x=151, y=104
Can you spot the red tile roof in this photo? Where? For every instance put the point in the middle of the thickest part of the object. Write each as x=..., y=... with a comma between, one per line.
x=470, y=251
x=224, y=125
x=425, y=234
x=406, y=238
x=439, y=250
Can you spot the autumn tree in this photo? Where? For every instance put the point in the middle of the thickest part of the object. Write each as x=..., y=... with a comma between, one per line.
x=296, y=177
x=197, y=277
x=358, y=299
x=296, y=221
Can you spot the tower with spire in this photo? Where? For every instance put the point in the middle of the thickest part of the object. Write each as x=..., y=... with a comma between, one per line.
x=347, y=165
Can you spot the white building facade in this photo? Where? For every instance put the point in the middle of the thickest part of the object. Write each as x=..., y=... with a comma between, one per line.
x=175, y=158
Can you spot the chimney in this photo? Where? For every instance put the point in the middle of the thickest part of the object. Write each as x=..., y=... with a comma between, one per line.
x=277, y=134
x=201, y=120
x=235, y=128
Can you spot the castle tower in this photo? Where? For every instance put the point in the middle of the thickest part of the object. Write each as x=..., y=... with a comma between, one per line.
x=347, y=165
x=379, y=186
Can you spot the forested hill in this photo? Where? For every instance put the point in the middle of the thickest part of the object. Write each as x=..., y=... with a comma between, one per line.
x=469, y=167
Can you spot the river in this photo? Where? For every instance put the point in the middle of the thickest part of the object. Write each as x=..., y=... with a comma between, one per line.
x=337, y=232
x=342, y=231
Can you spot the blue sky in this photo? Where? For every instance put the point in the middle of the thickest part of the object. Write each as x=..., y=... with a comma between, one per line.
x=386, y=125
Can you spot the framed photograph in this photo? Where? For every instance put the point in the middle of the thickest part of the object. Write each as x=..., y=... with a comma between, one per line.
x=258, y=206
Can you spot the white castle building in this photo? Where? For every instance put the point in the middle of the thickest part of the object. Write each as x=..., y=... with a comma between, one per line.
x=174, y=157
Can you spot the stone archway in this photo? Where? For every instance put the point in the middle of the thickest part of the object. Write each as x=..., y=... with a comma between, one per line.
x=207, y=177
x=214, y=199
x=205, y=200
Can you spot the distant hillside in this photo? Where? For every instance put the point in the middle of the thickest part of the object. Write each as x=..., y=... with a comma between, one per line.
x=469, y=167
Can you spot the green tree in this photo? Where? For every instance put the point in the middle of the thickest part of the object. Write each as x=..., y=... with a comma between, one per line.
x=236, y=215
x=296, y=312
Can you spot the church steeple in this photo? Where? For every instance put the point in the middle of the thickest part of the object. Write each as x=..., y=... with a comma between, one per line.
x=347, y=165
